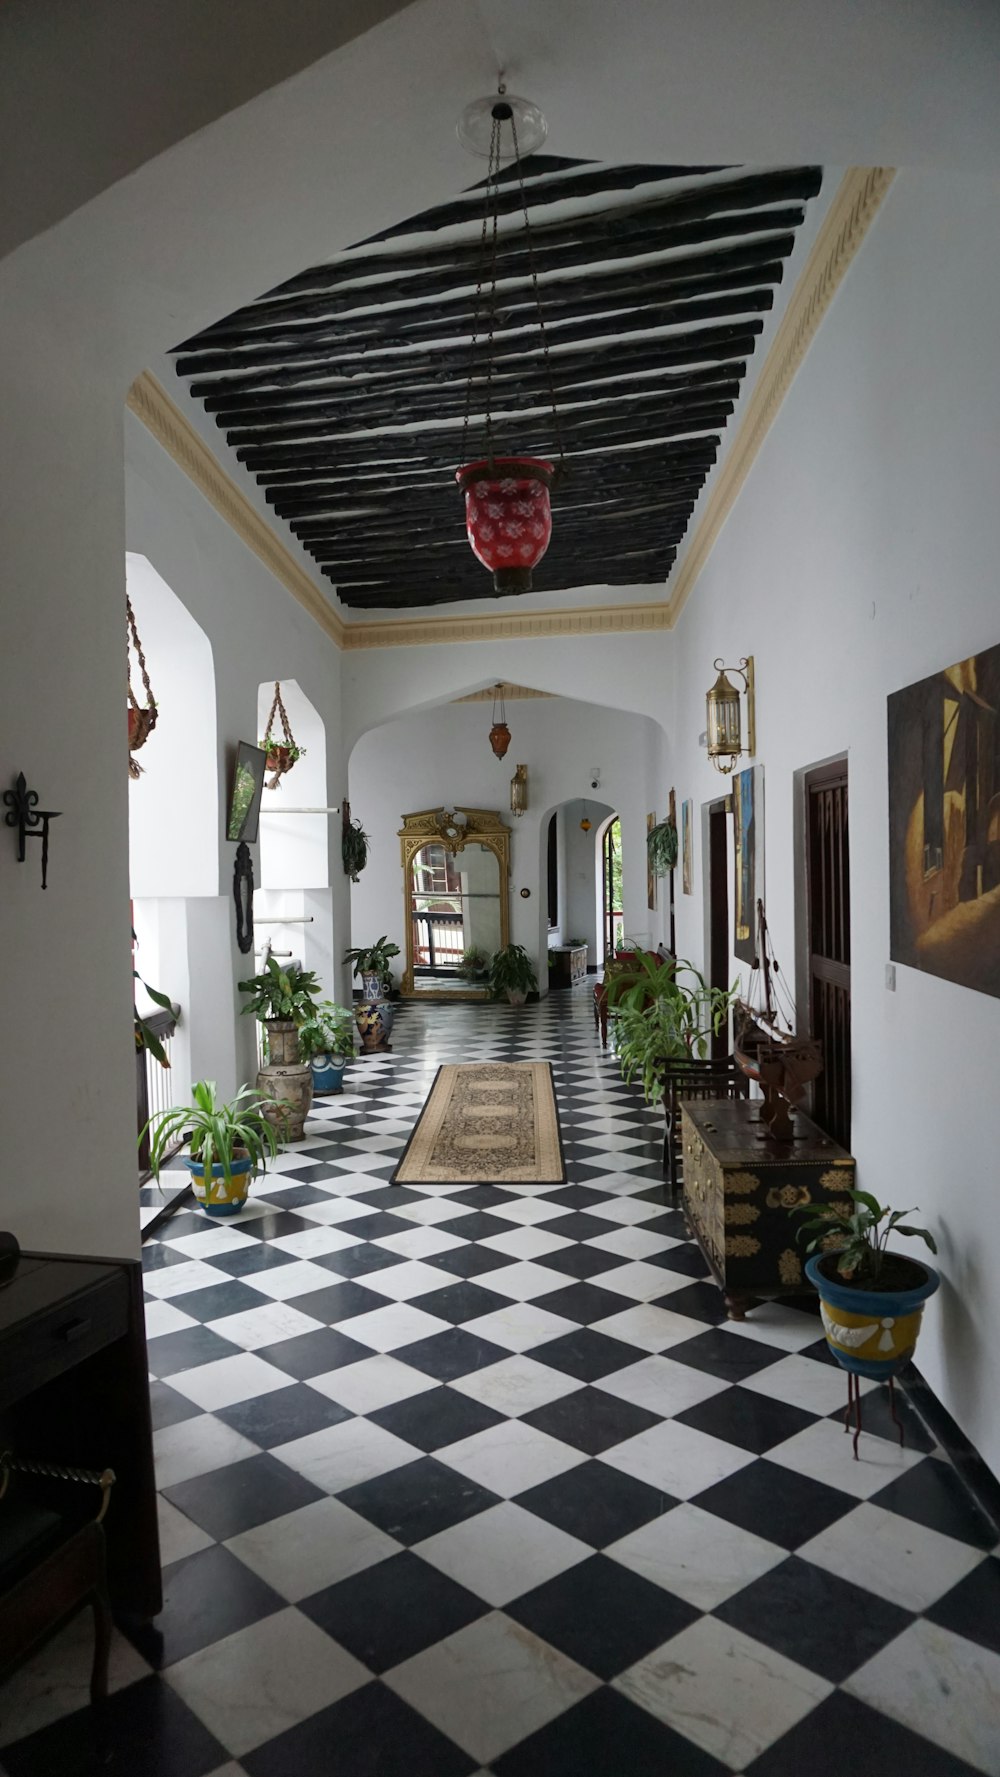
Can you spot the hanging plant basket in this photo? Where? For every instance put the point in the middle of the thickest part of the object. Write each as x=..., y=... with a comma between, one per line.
x=280, y=746
x=141, y=717
x=661, y=848
x=508, y=516
x=354, y=845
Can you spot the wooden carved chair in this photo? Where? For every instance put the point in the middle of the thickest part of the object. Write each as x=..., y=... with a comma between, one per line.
x=694, y=1079
x=52, y=1559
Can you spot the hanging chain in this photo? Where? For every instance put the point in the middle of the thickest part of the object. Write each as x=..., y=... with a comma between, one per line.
x=489, y=253
x=538, y=301
x=278, y=706
x=132, y=631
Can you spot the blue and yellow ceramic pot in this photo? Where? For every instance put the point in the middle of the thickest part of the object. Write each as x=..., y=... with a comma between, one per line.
x=374, y=1020
x=871, y=1332
x=328, y=1073
x=217, y=1198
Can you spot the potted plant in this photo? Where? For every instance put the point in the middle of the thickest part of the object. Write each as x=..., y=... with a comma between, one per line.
x=354, y=848
x=282, y=999
x=227, y=1143
x=512, y=976
x=372, y=964
x=326, y=1041
x=475, y=963
x=871, y=1299
x=662, y=1018
x=281, y=756
x=661, y=848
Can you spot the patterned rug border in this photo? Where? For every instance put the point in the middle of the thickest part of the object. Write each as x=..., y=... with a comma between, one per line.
x=470, y=1184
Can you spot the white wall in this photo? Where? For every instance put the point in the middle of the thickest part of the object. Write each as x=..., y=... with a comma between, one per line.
x=295, y=848
x=583, y=876
x=861, y=556
x=443, y=757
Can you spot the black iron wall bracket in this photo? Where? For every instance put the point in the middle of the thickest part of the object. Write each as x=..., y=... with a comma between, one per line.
x=31, y=821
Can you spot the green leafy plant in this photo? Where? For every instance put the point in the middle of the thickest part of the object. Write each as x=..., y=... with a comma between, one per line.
x=217, y=1134
x=859, y=1238
x=289, y=994
x=354, y=849
x=661, y=848
x=329, y=1030
x=661, y=1017
x=475, y=962
x=372, y=959
x=272, y=744
x=145, y=1036
x=512, y=971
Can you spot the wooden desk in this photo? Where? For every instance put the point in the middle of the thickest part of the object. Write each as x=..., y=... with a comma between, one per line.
x=74, y=1390
x=739, y=1188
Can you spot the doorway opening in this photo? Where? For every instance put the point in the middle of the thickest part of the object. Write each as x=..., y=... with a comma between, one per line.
x=613, y=921
x=718, y=912
x=828, y=931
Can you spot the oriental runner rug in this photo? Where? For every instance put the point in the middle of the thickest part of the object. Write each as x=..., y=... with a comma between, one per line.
x=494, y=1123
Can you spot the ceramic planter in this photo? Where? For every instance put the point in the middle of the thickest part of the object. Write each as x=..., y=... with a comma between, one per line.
x=374, y=1021
x=291, y=1089
x=371, y=984
x=508, y=517
x=516, y=996
x=282, y=1042
x=871, y=1332
x=328, y=1073
x=216, y=1196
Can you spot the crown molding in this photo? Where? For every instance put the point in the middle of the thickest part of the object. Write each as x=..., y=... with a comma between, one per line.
x=845, y=225
x=423, y=631
x=151, y=404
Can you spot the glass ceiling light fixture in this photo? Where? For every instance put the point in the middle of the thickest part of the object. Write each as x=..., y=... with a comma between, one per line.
x=519, y=790
x=499, y=733
x=508, y=515
x=725, y=742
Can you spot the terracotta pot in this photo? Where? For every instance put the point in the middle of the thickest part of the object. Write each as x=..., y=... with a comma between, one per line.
x=508, y=517
x=140, y=726
x=291, y=1089
x=279, y=759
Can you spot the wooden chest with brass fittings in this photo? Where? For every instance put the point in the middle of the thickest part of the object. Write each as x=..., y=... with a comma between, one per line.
x=739, y=1186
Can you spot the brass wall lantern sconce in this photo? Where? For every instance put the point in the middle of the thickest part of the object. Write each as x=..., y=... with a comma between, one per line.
x=519, y=790
x=725, y=740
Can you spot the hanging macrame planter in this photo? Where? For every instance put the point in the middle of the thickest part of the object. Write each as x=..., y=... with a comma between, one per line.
x=281, y=749
x=141, y=718
x=661, y=848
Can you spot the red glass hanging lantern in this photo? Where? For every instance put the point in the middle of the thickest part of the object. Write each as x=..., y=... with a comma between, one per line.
x=499, y=733
x=508, y=513
x=508, y=516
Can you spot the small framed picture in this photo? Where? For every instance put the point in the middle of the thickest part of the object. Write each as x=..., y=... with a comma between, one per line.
x=248, y=785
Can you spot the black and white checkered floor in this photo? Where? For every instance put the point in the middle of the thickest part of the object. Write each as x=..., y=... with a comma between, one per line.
x=476, y=1479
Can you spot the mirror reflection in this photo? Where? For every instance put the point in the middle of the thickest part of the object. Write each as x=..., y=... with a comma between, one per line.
x=454, y=916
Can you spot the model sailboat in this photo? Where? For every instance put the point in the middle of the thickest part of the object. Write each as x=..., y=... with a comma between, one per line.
x=765, y=1044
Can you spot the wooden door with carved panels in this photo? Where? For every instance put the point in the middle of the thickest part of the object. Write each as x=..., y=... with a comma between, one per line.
x=828, y=880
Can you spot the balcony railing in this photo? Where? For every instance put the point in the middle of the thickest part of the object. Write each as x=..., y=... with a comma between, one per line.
x=154, y=1091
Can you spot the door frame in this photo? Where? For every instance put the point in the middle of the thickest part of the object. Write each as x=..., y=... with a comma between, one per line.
x=834, y=766
x=715, y=827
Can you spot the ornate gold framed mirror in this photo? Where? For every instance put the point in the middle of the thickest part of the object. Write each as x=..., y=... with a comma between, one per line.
x=456, y=866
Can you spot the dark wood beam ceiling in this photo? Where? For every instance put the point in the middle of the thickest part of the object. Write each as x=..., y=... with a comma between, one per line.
x=344, y=390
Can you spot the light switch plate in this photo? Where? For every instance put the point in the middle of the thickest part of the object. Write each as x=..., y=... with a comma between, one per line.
x=890, y=977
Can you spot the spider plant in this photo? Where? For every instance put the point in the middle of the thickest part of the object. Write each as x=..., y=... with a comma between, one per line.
x=216, y=1133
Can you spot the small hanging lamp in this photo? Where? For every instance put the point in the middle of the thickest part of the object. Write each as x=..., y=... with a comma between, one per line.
x=586, y=823
x=499, y=733
x=507, y=510
x=141, y=719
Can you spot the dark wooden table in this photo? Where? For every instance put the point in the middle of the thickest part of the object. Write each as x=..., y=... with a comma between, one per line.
x=74, y=1390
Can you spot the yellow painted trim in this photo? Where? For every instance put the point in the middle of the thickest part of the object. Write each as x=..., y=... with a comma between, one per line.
x=420, y=631
x=844, y=228
x=151, y=404
x=850, y=215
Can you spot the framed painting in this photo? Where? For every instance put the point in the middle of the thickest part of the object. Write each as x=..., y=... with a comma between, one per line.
x=248, y=785
x=687, y=847
x=748, y=857
x=650, y=875
x=944, y=823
